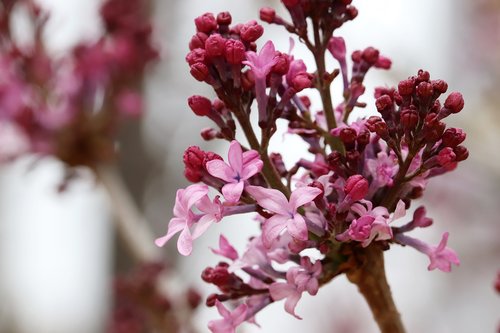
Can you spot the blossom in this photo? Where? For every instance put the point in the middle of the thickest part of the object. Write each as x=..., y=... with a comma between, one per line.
x=286, y=216
x=242, y=166
x=230, y=319
x=299, y=279
x=382, y=169
x=184, y=218
x=226, y=249
x=440, y=256
x=261, y=65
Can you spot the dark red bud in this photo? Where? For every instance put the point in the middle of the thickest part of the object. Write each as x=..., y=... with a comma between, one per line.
x=424, y=90
x=267, y=14
x=356, y=56
x=446, y=156
x=405, y=87
x=199, y=71
x=383, y=63
x=347, y=135
x=409, y=118
x=215, y=45
x=209, y=134
x=351, y=12
x=234, y=51
x=211, y=300
x=306, y=101
x=454, y=102
x=206, y=23
x=383, y=102
x=200, y=105
x=423, y=76
x=282, y=64
x=452, y=137
x=198, y=41
x=193, y=162
x=224, y=18
x=196, y=55
x=370, y=55
x=251, y=31
x=440, y=86
x=461, y=153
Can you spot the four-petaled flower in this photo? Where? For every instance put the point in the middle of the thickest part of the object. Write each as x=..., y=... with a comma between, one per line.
x=242, y=166
x=230, y=319
x=285, y=212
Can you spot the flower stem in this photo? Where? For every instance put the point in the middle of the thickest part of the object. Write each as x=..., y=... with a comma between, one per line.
x=370, y=278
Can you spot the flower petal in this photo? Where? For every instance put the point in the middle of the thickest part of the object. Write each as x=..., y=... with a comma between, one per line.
x=297, y=227
x=270, y=199
x=193, y=194
x=235, y=156
x=174, y=226
x=232, y=191
x=203, y=224
x=303, y=195
x=221, y=170
x=272, y=228
x=251, y=169
x=185, y=242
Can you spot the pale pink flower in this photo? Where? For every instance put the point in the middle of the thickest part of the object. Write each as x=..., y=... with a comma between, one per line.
x=382, y=169
x=285, y=212
x=230, y=319
x=242, y=166
x=184, y=218
x=441, y=256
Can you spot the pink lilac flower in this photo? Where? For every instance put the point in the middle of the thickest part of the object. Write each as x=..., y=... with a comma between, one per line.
x=184, y=218
x=226, y=249
x=230, y=319
x=286, y=215
x=299, y=279
x=441, y=256
x=382, y=169
x=242, y=166
x=261, y=65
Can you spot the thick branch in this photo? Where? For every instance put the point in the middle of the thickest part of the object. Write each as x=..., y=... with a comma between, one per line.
x=370, y=278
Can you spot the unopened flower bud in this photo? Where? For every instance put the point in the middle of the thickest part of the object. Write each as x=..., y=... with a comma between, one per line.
x=461, y=153
x=224, y=18
x=200, y=105
x=251, y=31
x=423, y=76
x=405, y=87
x=356, y=56
x=409, y=118
x=196, y=55
x=446, y=156
x=356, y=187
x=193, y=163
x=209, y=134
x=452, y=137
x=383, y=63
x=199, y=71
x=205, y=23
x=302, y=81
x=383, y=103
x=267, y=14
x=234, y=51
x=440, y=86
x=347, y=135
x=336, y=46
x=282, y=64
x=215, y=45
x=198, y=41
x=424, y=90
x=454, y=102
x=351, y=12
x=370, y=55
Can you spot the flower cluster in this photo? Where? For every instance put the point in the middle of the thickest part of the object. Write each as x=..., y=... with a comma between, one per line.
x=70, y=106
x=346, y=199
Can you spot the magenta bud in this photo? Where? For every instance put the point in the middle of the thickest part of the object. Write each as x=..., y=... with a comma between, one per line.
x=446, y=156
x=224, y=18
x=461, y=153
x=405, y=87
x=370, y=55
x=200, y=105
x=440, y=86
x=409, y=118
x=282, y=64
x=356, y=56
x=196, y=55
x=193, y=163
x=452, y=137
x=383, y=102
x=199, y=71
x=454, y=102
x=206, y=23
x=234, y=51
x=347, y=135
x=424, y=90
x=209, y=134
x=251, y=31
x=302, y=81
x=215, y=45
x=351, y=12
x=423, y=76
x=198, y=41
x=336, y=46
x=383, y=63
x=356, y=187
x=267, y=14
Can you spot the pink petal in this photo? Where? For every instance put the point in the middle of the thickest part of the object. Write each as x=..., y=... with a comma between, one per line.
x=193, y=194
x=220, y=326
x=220, y=169
x=185, y=242
x=174, y=226
x=226, y=249
x=272, y=228
x=312, y=286
x=225, y=313
x=249, y=156
x=251, y=168
x=270, y=199
x=297, y=227
x=232, y=191
x=303, y=195
x=203, y=224
x=400, y=210
x=235, y=157
x=239, y=314
x=291, y=303
x=279, y=291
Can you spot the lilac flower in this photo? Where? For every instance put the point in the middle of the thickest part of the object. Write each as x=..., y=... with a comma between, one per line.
x=261, y=65
x=184, y=218
x=242, y=166
x=225, y=249
x=441, y=256
x=382, y=169
x=286, y=216
x=230, y=319
x=299, y=279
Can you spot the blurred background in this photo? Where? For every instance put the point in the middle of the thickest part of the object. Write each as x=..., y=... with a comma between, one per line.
x=58, y=251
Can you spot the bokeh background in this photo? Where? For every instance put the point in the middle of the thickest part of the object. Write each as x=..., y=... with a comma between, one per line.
x=58, y=251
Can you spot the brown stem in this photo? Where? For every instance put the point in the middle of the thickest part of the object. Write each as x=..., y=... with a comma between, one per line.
x=370, y=278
